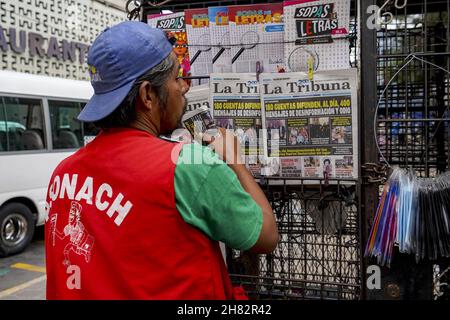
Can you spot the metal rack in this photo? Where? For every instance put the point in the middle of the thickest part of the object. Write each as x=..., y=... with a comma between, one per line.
x=318, y=255
x=412, y=129
x=406, y=58
x=413, y=123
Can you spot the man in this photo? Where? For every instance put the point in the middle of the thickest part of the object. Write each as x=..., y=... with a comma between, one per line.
x=155, y=210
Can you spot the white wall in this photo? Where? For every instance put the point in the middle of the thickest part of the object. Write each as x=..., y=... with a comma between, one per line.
x=76, y=21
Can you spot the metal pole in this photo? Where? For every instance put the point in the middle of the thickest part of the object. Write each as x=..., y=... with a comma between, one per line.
x=367, y=144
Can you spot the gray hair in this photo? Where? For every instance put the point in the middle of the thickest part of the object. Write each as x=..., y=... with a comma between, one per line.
x=125, y=113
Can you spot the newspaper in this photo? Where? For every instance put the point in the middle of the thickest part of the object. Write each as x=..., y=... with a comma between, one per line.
x=311, y=126
x=256, y=35
x=198, y=121
x=220, y=39
x=236, y=105
x=174, y=25
x=316, y=35
x=197, y=97
x=199, y=39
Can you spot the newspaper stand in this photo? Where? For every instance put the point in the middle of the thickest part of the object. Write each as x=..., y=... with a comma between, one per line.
x=324, y=225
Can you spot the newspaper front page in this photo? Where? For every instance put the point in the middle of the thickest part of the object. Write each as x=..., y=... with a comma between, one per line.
x=316, y=34
x=311, y=126
x=236, y=105
x=256, y=35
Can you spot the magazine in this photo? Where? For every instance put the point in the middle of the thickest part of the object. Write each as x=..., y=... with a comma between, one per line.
x=220, y=39
x=175, y=27
x=199, y=40
x=316, y=35
x=256, y=35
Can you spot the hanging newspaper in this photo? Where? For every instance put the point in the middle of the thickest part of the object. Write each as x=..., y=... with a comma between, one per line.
x=220, y=39
x=174, y=25
x=198, y=35
x=236, y=105
x=316, y=35
x=256, y=35
x=311, y=125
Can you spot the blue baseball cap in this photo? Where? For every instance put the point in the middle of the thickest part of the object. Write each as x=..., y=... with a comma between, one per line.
x=118, y=56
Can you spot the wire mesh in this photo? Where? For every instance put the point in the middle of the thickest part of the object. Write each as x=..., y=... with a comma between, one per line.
x=318, y=255
x=413, y=127
x=413, y=119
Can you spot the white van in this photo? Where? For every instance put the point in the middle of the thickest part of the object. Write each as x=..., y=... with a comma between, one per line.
x=38, y=129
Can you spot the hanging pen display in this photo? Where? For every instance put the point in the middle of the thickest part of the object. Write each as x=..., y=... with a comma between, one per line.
x=413, y=213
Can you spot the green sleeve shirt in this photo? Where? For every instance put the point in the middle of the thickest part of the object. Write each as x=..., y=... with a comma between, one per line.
x=209, y=196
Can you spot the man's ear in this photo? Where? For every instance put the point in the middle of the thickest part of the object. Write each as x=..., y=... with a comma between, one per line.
x=147, y=95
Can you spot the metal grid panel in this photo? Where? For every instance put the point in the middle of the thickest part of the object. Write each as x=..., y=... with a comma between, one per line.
x=413, y=117
x=318, y=255
x=413, y=127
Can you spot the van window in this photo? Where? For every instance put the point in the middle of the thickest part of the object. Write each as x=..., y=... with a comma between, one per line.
x=66, y=129
x=21, y=124
x=89, y=129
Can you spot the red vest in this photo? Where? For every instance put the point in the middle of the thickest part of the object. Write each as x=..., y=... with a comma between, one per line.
x=113, y=230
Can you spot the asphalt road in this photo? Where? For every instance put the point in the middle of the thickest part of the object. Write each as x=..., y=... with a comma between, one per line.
x=22, y=276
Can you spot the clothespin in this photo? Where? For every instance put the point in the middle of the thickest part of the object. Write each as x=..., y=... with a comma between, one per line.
x=259, y=69
x=327, y=181
x=310, y=68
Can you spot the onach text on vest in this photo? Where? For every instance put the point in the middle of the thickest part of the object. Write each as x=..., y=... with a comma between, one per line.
x=103, y=195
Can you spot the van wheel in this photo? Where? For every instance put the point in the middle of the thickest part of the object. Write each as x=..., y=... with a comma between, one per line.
x=16, y=228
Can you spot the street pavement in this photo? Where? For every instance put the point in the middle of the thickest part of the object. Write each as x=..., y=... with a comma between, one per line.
x=22, y=276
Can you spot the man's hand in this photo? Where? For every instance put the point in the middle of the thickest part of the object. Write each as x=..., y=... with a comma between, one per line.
x=227, y=146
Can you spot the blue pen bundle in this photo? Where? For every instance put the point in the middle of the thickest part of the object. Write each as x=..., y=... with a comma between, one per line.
x=414, y=214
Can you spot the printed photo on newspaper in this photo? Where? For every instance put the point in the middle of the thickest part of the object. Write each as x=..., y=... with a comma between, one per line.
x=256, y=35
x=316, y=35
x=198, y=121
x=236, y=105
x=311, y=126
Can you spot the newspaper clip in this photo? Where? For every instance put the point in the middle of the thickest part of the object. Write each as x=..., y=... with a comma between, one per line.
x=199, y=121
x=310, y=68
x=259, y=69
